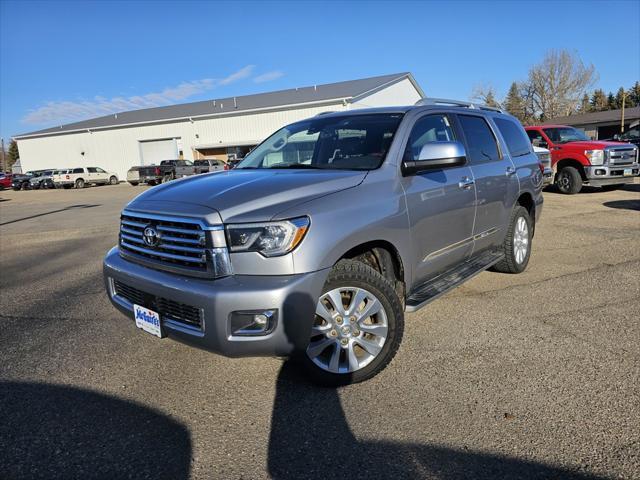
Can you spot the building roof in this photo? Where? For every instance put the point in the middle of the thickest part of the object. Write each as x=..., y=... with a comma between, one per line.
x=348, y=91
x=606, y=116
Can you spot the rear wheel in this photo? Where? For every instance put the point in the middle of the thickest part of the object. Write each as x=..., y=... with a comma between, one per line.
x=569, y=180
x=79, y=183
x=133, y=184
x=358, y=326
x=517, y=243
x=151, y=182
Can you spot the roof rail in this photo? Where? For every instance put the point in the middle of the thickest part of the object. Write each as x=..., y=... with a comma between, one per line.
x=456, y=103
x=326, y=113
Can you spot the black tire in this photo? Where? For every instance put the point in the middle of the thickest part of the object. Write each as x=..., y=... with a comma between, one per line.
x=569, y=181
x=66, y=187
x=610, y=188
x=151, y=183
x=113, y=180
x=509, y=263
x=80, y=183
x=133, y=184
x=349, y=273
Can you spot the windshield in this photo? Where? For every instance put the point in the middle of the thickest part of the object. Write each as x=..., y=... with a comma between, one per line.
x=354, y=142
x=565, y=135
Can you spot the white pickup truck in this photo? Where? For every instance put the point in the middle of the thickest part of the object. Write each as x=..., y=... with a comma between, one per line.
x=80, y=177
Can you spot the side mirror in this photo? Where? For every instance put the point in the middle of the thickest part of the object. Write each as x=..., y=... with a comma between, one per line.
x=436, y=155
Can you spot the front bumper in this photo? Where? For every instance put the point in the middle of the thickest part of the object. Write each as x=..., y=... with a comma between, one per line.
x=611, y=174
x=293, y=296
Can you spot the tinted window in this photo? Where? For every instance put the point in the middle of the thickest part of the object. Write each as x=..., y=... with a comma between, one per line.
x=536, y=137
x=432, y=128
x=92, y=170
x=78, y=170
x=517, y=142
x=481, y=143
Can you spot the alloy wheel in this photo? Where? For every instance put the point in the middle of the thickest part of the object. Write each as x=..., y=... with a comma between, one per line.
x=521, y=240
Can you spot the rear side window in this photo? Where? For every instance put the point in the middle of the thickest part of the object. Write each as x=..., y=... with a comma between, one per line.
x=481, y=143
x=513, y=134
x=92, y=170
x=78, y=170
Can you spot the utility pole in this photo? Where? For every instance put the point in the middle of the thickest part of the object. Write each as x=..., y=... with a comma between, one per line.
x=4, y=165
x=624, y=96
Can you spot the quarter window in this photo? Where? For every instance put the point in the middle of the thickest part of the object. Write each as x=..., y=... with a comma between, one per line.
x=432, y=128
x=513, y=134
x=92, y=170
x=481, y=143
x=78, y=170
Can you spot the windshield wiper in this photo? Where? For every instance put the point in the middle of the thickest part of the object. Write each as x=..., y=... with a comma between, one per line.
x=296, y=165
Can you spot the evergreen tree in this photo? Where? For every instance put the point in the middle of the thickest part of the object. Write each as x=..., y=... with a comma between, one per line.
x=12, y=154
x=619, y=97
x=514, y=104
x=490, y=100
x=633, y=96
x=599, y=100
x=611, y=102
x=585, y=104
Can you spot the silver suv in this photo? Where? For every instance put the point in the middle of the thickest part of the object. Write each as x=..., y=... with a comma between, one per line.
x=321, y=239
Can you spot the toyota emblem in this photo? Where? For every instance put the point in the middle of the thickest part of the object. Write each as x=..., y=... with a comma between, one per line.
x=151, y=236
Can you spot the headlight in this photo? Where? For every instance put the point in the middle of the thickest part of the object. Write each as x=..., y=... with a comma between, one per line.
x=596, y=157
x=270, y=239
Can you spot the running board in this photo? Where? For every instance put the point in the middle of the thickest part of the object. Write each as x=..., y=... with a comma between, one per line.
x=429, y=291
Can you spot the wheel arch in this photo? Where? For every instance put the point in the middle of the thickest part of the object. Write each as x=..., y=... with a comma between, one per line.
x=570, y=162
x=381, y=255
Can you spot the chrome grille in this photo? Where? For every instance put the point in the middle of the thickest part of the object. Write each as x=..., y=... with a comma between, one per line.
x=167, y=309
x=622, y=155
x=181, y=246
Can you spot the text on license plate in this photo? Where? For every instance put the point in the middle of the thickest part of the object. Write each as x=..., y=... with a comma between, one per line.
x=147, y=320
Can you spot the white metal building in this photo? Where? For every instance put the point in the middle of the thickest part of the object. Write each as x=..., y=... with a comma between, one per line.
x=220, y=128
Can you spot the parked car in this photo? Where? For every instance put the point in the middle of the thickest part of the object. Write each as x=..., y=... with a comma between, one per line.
x=80, y=177
x=231, y=163
x=165, y=172
x=5, y=180
x=630, y=136
x=21, y=181
x=318, y=247
x=40, y=180
x=578, y=160
x=208, y=165
x=544, y=156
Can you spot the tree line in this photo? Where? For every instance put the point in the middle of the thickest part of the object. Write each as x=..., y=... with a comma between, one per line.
x=558, y=86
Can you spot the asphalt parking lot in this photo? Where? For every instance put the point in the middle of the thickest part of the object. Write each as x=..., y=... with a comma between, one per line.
x=528, y=376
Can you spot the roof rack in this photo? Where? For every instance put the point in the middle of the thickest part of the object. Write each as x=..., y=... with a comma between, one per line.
x=456, y=103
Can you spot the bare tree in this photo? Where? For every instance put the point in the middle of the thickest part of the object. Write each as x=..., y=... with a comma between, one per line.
x=558, y=83
x=486, y=95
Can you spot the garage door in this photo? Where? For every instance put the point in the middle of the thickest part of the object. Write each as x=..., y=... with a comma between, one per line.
x=154, y=151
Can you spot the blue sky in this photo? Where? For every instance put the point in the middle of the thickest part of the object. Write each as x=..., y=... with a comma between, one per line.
x=63, y=61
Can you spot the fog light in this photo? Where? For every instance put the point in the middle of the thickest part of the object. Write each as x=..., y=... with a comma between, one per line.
x=253, y=322
x=599, y=171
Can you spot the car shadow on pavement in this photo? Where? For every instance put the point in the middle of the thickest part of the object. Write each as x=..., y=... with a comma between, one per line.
x=623, y=204
x=59, y=432
x=311, y=439
x=49, y=213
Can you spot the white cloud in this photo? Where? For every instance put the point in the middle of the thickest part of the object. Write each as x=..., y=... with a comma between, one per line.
x=60, y=111
x=269, y=76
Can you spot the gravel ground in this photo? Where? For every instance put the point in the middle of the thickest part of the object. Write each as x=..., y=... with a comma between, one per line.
x=528, y=376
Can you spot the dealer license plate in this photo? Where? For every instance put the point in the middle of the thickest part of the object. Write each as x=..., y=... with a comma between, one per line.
x=147, y=320
x=628, y=172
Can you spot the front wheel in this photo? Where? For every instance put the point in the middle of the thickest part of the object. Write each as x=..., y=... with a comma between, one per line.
x=133, y=184
x=569, y=180
x=357, y=329
x=113, y=180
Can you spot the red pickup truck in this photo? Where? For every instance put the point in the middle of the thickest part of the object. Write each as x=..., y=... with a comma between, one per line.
x=578, y=160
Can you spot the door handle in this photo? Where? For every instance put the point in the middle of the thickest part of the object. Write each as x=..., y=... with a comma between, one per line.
x=511, y=171
x=466, y=183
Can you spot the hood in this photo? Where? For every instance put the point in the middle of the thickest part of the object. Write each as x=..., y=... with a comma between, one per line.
x=592, y=145
x=252, y=195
